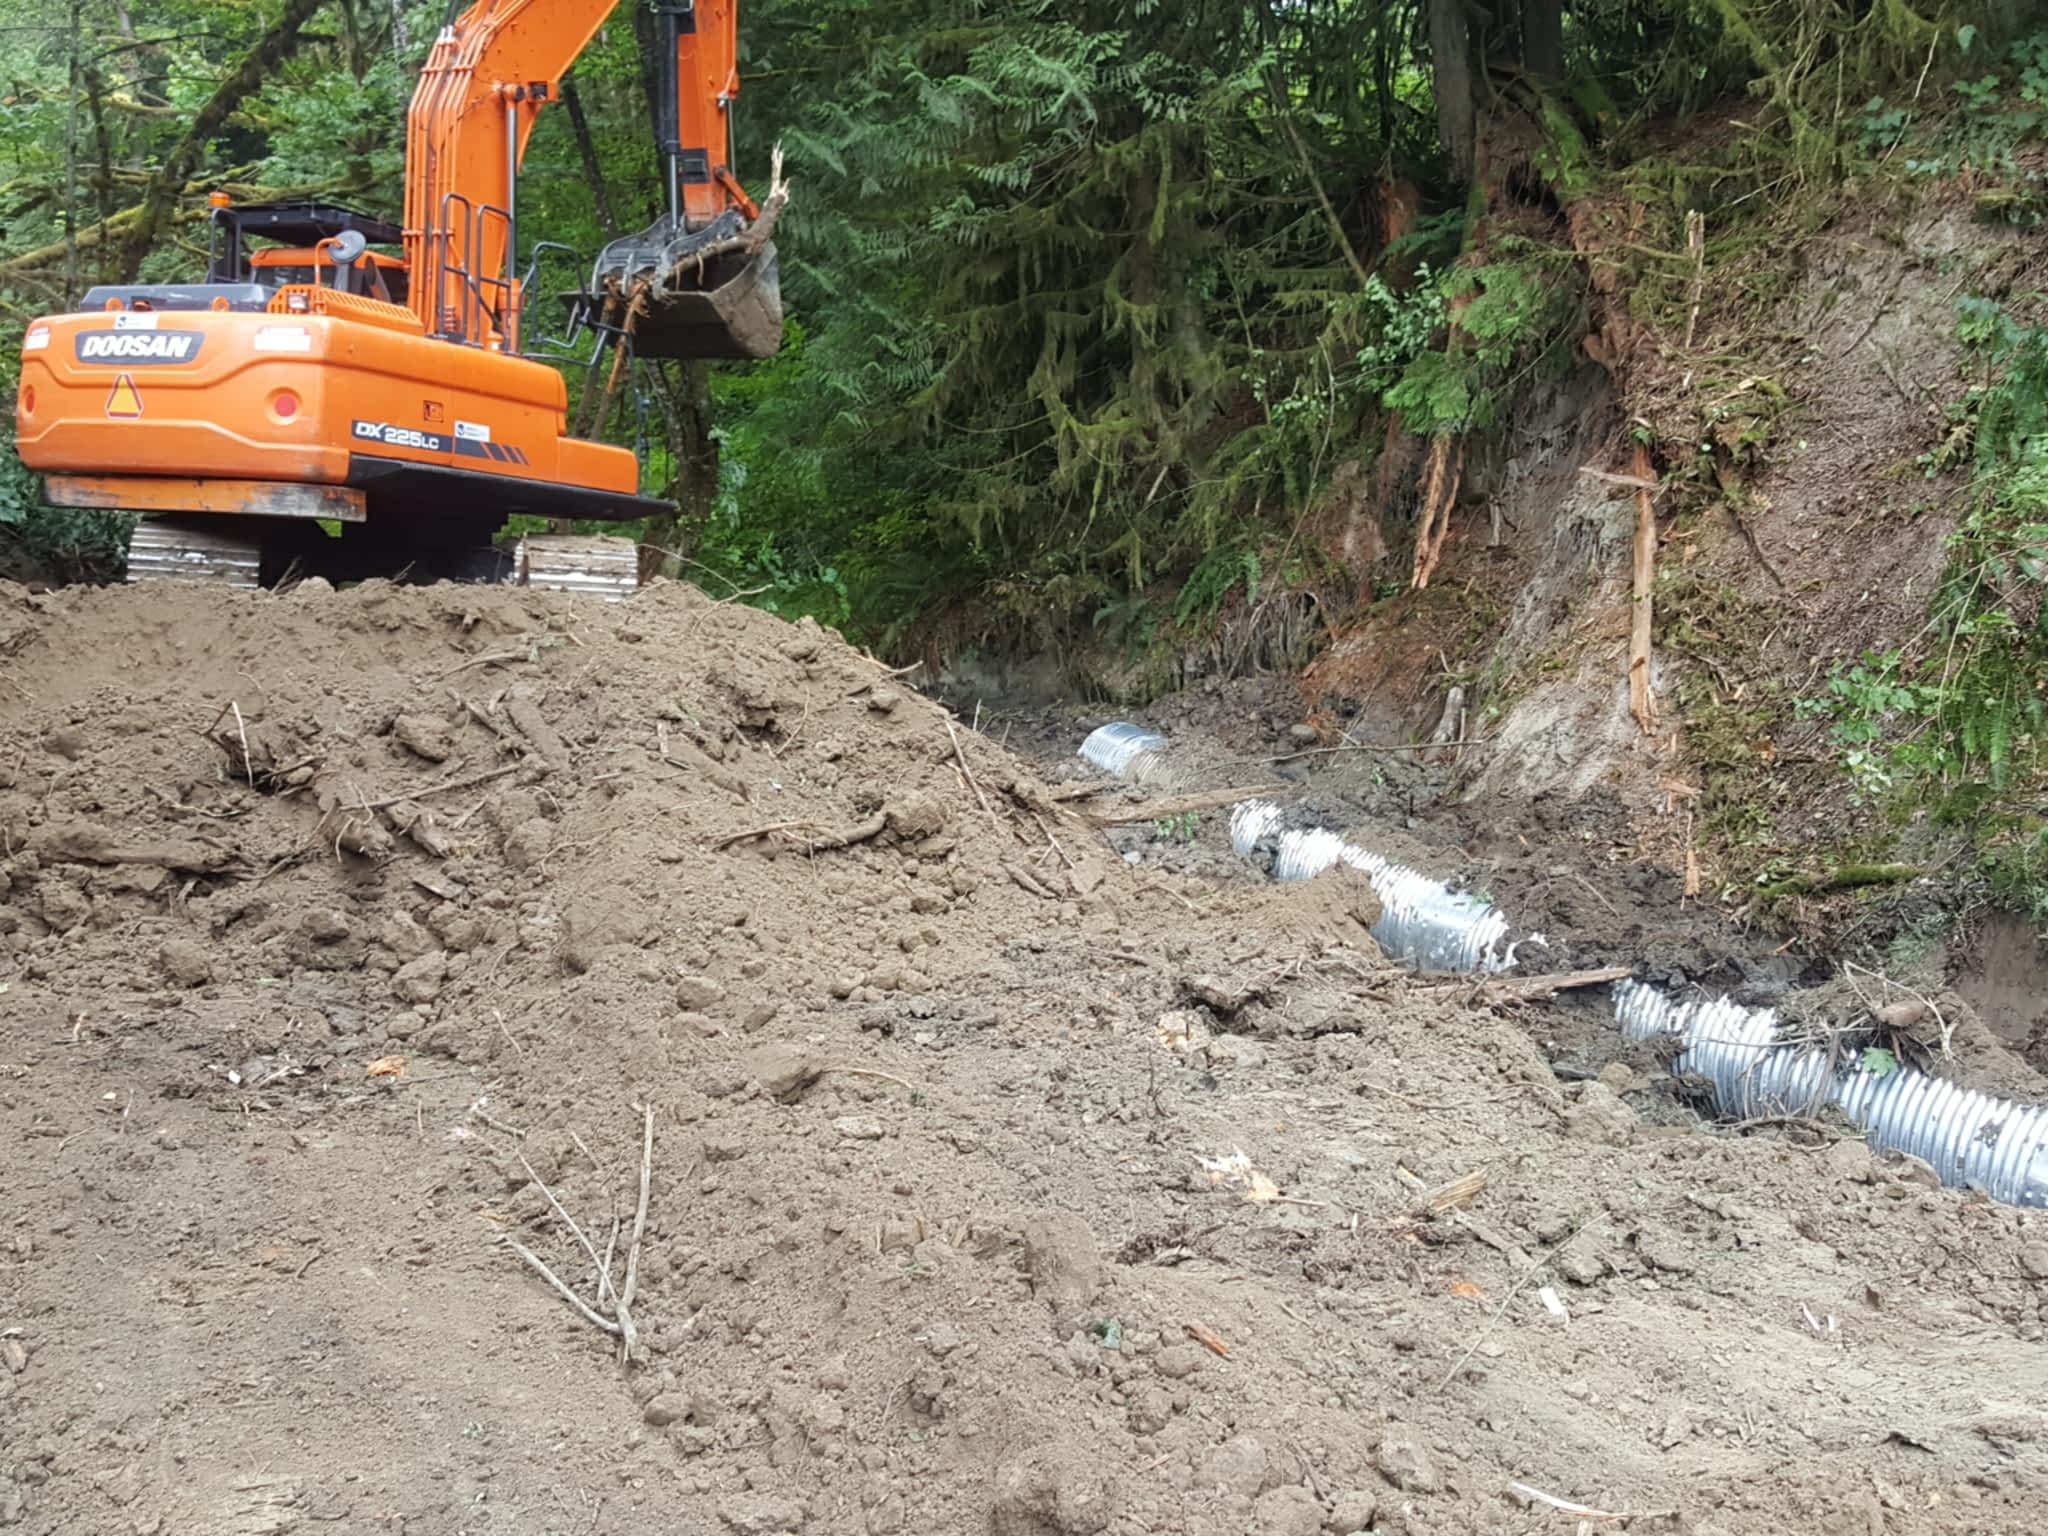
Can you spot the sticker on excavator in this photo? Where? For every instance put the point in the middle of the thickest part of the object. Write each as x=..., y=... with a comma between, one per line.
x=150, y=347
x=392, y=435
x=473, y=441
x=124, y=401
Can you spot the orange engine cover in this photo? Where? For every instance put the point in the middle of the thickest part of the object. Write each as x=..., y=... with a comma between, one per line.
x=316, y=399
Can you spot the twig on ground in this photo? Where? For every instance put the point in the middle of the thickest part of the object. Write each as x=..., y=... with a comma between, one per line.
x=1521, y=1283
x=1056, y=848
x=443, y=787
x=605, y=1290
x=762, y=831
x=960, y=756
x=1174, y=805
x=790, y=740
x=496, y=1124
x=541, y=1268
x=1584, y=1512
x=1494, y=991
x=556, y=1206
x=887, y=1077
x=868, y=830
x=1366, y=746
x=1154, y=885
x=477, y=714
x=489, y=659
x=241, y=730
x=628, y=1335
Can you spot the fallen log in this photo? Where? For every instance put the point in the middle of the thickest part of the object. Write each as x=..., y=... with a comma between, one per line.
x=1175, y=805
x=1494, y=991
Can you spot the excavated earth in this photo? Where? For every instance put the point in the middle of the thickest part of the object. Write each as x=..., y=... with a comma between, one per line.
x=347, y=939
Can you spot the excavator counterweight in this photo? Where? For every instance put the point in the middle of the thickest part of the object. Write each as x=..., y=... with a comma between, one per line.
x=345, y=396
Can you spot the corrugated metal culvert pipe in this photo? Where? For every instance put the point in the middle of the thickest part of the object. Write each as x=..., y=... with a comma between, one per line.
x=1969, y=1138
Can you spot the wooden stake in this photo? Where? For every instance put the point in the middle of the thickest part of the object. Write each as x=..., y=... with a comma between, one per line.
x=1642, y=703
x=1696, y=242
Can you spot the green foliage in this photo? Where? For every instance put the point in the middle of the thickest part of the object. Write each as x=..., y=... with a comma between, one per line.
x=1983, y=128
x=1092, y=299
x=1968, y=705
x=1878, y=1061
x=1509, y=313
x=1213, y=580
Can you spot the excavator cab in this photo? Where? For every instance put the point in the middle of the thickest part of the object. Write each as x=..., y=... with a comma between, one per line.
x=373, y=274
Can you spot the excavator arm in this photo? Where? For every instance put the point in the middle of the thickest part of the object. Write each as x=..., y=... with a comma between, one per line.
x=491, y=71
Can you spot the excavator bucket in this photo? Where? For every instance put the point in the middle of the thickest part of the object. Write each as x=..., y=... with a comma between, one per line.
x=715, y=292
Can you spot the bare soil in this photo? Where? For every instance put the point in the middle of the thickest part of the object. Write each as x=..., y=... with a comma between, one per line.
x=342, y=932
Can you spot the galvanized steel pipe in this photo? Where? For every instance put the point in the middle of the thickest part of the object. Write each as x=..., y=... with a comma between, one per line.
x=1970, y=1139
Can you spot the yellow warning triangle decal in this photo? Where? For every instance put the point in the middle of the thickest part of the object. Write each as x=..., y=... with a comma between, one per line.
x=125, y=402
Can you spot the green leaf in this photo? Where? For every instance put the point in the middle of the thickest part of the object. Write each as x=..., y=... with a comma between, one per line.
x=1878, y=1061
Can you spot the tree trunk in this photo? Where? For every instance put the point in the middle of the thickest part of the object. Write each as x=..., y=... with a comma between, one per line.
x=1451, y=64
x=586, y=150
x=1543, y=38
x=271, y=50
x=674, y=537
x=647, y=33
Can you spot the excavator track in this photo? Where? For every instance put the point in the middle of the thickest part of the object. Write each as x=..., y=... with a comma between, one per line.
x=230, y=554
x=599, y=565
x=179, y=549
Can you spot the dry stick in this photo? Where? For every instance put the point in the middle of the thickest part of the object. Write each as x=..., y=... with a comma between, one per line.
x=1526, y=989
x=497, y=1125
x=604, y=1272
x=485, y=720
x=1641, y=702
x=968, y=773
x=790, y=740
x=866, y=831
x=628, y=1335
x=1521, y=1282
x=489, y=659
x=887, y=1077
x=1176, y=805
x=1056, y=848
x=443, y=787
x=1585, y=1512
x=1696, y=241
x=556, y=1205
x=248, y=768
x=1365, y=746
x=561, y=1290
x=752, y=832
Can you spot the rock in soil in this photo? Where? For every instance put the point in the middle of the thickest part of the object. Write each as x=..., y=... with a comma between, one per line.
x=1054, y=1490
x=1406, y=1462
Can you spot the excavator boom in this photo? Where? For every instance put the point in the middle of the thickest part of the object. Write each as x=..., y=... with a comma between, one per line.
x=326, y=380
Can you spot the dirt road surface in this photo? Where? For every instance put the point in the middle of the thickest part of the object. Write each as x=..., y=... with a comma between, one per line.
x=995, y=1185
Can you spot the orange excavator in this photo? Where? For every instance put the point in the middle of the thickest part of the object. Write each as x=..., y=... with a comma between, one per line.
x=334, y=370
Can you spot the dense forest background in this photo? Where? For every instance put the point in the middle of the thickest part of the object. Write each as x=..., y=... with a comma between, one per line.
x=1104, y=315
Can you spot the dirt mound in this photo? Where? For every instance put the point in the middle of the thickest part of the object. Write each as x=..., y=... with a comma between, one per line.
x=991, y=1184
